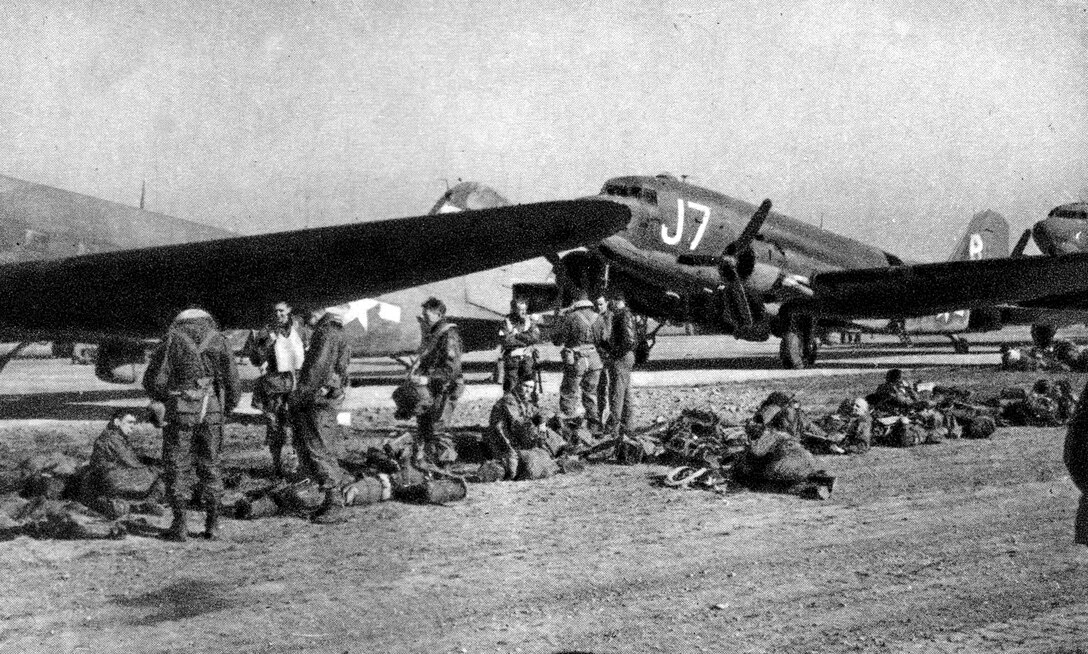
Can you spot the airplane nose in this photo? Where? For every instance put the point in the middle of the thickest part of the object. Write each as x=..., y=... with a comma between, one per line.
x=1053, y=237
x=1044, y=240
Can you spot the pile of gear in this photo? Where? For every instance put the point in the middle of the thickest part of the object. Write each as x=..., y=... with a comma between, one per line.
x=376, y=476
x=59, y=496
x=775, y=448
x=906, y=415
x=761, y=455
x=1059, y=356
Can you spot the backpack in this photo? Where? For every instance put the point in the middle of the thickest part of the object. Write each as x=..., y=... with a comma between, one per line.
x=193, y=402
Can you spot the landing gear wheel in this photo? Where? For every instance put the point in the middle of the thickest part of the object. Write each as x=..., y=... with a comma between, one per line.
x=799, y=344
x=792, y=351
x=961, y=346
x=1042, y=335
x=642, y=353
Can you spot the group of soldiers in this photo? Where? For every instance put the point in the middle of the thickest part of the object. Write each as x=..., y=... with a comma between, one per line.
x=597, y=341
x=192, y=379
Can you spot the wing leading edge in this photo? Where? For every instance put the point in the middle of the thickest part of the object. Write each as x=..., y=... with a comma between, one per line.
x=925, y=289
x=137, y=292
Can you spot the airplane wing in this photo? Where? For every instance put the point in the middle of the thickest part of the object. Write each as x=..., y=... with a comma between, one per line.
x=137, y=292
x=925, y=289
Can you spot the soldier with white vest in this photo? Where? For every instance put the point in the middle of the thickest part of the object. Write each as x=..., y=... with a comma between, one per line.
x=278, y=350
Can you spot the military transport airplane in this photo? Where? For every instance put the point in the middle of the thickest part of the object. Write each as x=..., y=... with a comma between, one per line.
x=1063, y=231
x=78, y=268
x=692, y=255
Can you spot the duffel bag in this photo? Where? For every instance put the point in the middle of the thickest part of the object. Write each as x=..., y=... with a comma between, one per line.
x=535, y=464
x=302, y=497
x=435, y=491
x=368, y=490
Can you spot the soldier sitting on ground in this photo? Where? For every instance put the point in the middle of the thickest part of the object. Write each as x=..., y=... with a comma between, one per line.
x=895, y=395
x=516, y=424
x=779, y=412
x=1038, y=409
x=116, y=474
x=848, y=431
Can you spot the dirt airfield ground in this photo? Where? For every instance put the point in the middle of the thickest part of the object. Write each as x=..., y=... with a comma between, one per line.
x=960, y=547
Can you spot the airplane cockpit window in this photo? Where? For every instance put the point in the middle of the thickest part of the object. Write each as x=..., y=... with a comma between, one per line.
x=1076, y=214
x=647, y=195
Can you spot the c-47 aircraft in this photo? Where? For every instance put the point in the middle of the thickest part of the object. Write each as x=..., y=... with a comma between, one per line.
x=78, y=268
x=1064, y=231
x=692, y=255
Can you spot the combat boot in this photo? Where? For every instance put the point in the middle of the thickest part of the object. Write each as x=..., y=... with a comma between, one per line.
x=179, y=528
x=211, y=521
x=332, y=511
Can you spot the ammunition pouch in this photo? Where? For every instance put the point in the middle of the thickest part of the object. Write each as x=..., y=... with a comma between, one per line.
x=191, y=405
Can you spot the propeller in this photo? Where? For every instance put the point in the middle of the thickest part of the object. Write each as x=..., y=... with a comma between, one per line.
x=751, y=230
x=738, y=247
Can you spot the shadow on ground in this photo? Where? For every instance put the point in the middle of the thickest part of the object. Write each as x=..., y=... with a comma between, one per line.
x=183, y=599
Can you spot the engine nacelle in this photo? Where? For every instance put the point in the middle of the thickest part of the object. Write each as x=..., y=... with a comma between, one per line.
x=117, y=360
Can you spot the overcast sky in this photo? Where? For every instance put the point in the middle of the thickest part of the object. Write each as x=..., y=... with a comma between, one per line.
x=892, y=122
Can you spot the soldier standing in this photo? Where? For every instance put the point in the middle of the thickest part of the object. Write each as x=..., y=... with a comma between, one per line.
x=1076, y=461
x=439, y=369
x=519, y=335
x=194, y=374
x=279, y=350
x=580, y=332
x=604, y=386
x=622, y=339
x=314, y=405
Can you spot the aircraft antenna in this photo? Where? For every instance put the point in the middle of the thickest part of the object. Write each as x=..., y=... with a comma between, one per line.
x=143, y=188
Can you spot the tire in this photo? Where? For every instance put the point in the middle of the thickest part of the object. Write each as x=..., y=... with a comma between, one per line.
x=1042, y=335
x=792, y=351
x=642, y=353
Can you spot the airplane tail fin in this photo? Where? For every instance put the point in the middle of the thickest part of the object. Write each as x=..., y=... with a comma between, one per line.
x=987, y=237
x=468, y=196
